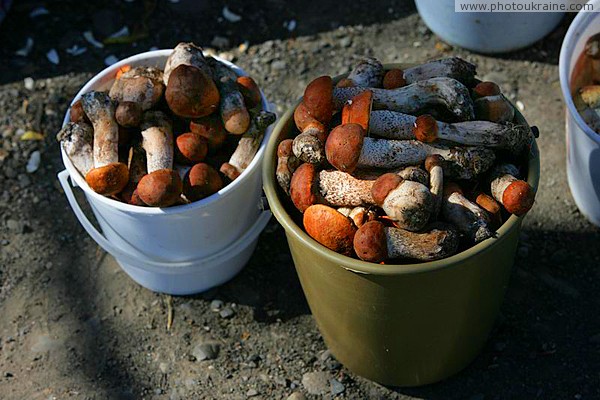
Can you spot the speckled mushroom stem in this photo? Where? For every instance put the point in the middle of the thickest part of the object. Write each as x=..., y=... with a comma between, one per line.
x=341, y=189
x=375, y=242
x=287, y=163
x=347, y=149
x=468, y=217
x=100, y=109
x=417, y=97
x=453, y=67
x=515, y=195
x=232, y=107
x=367, y=73
x=157, y=134
x=392, y=124
x=506, y=136
x=76, y=140
x=434, y=165
x=248, y=145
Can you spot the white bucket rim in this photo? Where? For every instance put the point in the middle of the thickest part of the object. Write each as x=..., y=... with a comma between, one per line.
x=226, y=191
x=566, y=52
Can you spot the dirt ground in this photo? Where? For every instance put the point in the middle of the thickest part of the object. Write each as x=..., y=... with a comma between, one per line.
x=75, y=326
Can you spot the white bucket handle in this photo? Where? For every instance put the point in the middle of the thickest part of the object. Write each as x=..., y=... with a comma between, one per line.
x=119, y=254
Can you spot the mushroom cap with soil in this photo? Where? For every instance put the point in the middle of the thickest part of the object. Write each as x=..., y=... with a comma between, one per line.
x=201, y=181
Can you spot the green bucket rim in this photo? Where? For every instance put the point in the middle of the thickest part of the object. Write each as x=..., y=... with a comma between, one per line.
x=359, y=266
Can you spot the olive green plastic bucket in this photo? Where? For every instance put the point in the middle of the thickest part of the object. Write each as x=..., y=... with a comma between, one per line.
x=399, y=325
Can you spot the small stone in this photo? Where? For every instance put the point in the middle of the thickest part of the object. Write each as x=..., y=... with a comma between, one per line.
x=336, y=386
x=110, y=60
x=316, y=383
x=10, y=173
x=206, y=351
x=52, y=56
x=158, y=391
x=520, y=105
x=29, y=83
x=279, y=65
x=346, y=42
x=34, y=162
x=296, y=396
x=252, y=393
x=326, y=355
x=164, y=367
x=8, y=375
x=24, y=180
x=226, y=313
x=216, y=305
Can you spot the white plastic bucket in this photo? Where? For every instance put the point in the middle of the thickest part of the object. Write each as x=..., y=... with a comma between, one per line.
x=583, y=144
x=486, y=32
x=183, y=249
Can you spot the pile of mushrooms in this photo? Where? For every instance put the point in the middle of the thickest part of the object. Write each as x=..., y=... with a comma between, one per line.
x=585, y=83
x=162, y=138
x=403, y=166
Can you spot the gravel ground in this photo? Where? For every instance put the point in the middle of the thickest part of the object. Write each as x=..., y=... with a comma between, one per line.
x=75, y=326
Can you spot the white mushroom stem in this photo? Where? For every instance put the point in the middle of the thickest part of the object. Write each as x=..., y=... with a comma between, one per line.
x=232, y=102
x=433, y=164
x=157, y=134
x=185, y=54
x=417, y=97
x=341, y=189
x=76, y=140
x=468, y=217
x=248, y=145
x=140, y=85
x=426, y=246
x=100, y=109
x=367, y=73
x=464, y=162
x=309, y=146
x=452, y=67
x=409, y=205
x=502, y=176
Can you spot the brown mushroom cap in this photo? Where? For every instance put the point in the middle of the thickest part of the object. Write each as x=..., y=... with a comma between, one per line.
x=425, y=128
x=130, y=195
x=518, y=197
x=383, y=186
x=488, y=203
x=212, y=129
x=302, y=187
x=433, y=160
x=318, y=99
x=128, y=114
x=486, y=88
x=77, y=114
x=330, y=228
x=493, y=109
x=109, y=179
x=190, y=148
x=160, y=188
x=236, y=120
x=370, y=242
x=191, y=93
x=344, y=145
x=250, y=91
x=358, y=110
x=201, y=181
x=345, y=83
x=393, y=79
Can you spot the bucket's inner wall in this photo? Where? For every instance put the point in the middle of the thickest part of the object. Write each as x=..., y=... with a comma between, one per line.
x=289, y=131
